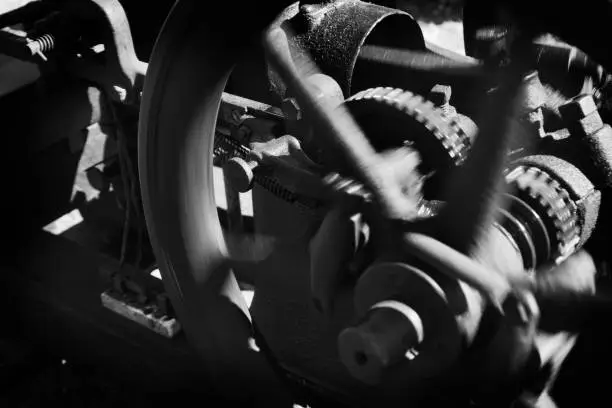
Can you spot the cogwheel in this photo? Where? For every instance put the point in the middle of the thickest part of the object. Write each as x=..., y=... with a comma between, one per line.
x=552, y=202
x=392, y=117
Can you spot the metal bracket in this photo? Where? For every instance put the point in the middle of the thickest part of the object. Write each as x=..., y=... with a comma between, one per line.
x=122, y=74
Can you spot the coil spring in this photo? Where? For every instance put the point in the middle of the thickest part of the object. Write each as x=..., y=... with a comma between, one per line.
x=42, y=44
x=225, y=148
x=276, y=188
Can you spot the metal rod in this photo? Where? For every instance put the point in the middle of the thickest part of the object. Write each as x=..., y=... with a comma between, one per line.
x=424, y=61
x=339, y=128
x=493, y=286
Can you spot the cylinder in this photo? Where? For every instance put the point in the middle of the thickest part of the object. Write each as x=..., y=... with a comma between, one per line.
x=240, y=173
x=333, y=33
x=388, y=334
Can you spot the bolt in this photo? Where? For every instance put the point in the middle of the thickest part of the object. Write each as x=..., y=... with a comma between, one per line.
x=578, y=108
x=239, y=173
x=292, y=109
x=412, y=354
x=440, y=95
x=581, y=116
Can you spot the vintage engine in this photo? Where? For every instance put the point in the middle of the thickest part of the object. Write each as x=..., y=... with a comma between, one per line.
x=417, y=226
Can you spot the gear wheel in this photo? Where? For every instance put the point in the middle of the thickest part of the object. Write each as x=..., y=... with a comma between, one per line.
x=393, y=117
x=552, y=203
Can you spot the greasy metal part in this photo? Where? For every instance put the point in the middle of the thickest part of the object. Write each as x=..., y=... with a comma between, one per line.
x=521, y=236
x=193, y=262
x=279, y=165
x=144, y=313
x=234, y=106
x=324, y=87
x=381, y=340
x=333, y=32
x=419, y=70
x=552, y=58
x=537, y=234
x=194, y=248
x=240, y=172
x=381, y=176
x=121, y=66
x=583, y=120
x=423, y=61
x=580, y=190
x=226, y=148
x=545, y=195
x=441, y=141
x=494, y=288
x=485, y=164
x=331, y=249
x=372, y=347
x=440, y=95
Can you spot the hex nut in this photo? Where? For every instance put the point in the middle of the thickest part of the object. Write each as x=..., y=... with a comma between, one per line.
x=578, y=108
x=440, y=95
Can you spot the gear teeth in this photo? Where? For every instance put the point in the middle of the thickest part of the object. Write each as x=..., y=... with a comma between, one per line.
x=447, y=130
x=552, y=202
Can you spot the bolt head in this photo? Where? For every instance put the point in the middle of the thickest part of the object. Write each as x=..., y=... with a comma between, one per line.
x=578, y=108
x=440, y=94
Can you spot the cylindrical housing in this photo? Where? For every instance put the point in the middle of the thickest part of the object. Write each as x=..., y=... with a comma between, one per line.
x=385, y=337
x=333, y=33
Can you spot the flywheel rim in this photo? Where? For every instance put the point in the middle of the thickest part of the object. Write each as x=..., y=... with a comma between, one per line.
x=185, y=232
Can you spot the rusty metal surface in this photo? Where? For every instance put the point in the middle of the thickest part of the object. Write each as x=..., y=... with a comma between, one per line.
x=122, y=67
x=332, y=33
